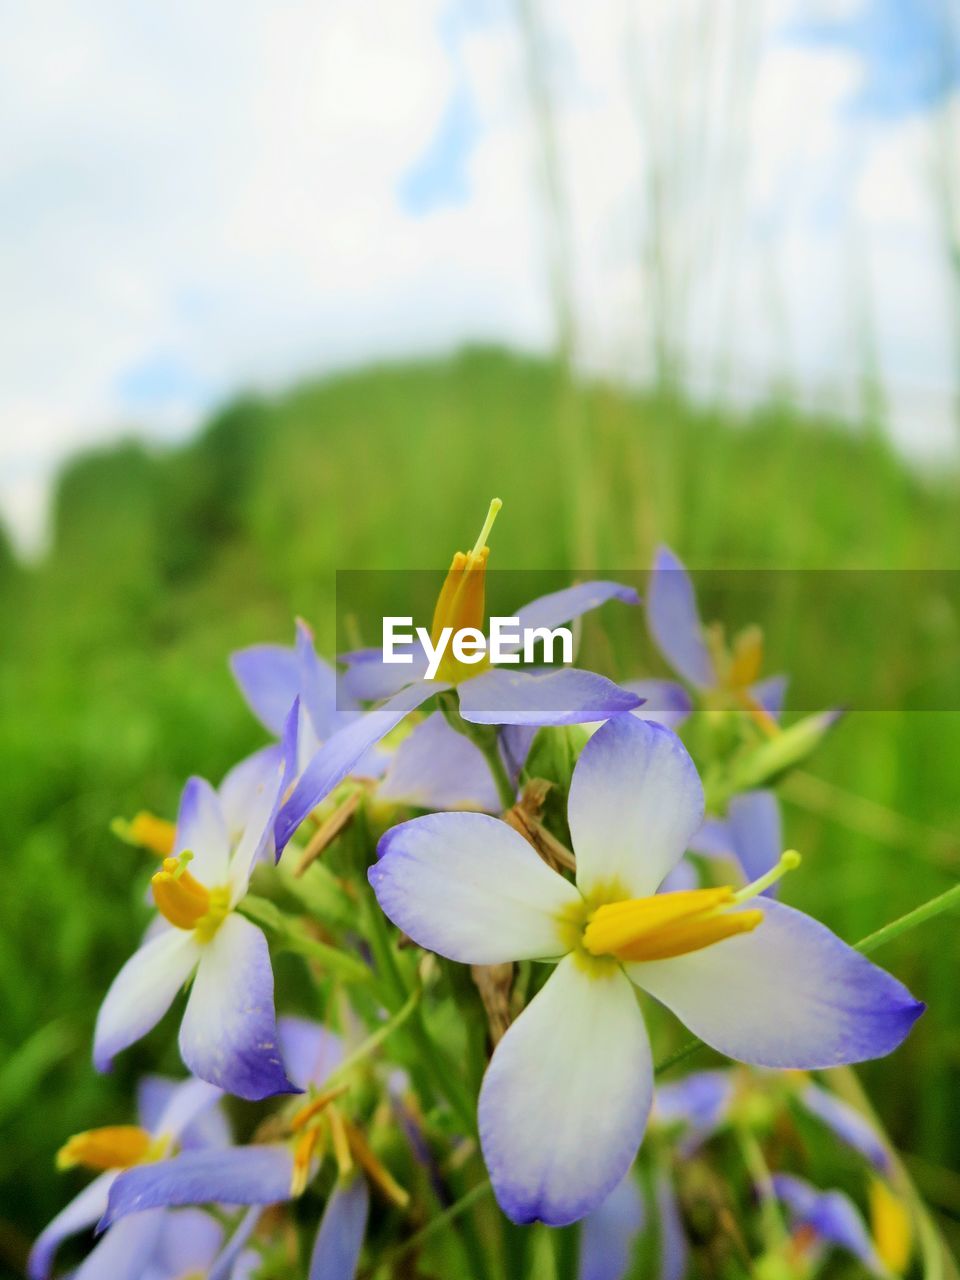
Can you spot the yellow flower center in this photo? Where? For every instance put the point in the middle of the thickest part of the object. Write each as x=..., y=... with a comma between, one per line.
x=461, y=601
x=674, y=924
x=187, y=903
x=115, y=1147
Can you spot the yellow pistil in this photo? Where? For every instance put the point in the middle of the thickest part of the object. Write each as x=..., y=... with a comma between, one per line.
x=674, y=924
x=891, y=1227
x=461, y=601
x=116, y=1147
x=187, y=903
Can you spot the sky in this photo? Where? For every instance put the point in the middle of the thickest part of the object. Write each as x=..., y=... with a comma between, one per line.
x=199, y=199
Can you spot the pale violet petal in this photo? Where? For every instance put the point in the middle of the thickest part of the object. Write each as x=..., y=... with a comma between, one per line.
x=240, y=1175
x=121, y=1253
x=788, y=994
x=437, y=768
x=565, y=1099
x=269, y=679
x=186, y=1104
x=771, y=694
x=369, y=678
x=699, y=1103
x=336, y=1252
x=311, y=1051
x=238, y=790
x=472, y=889
x=558, y=607
x=753, y=818
x=672, y=1248
x=607, y=1235
x=566, y=696
x=201, y=830
x=236, y=1260
x=188, y=1244
x=664, y=701
x=674, y=621
x=229, y=1035
x=635, y=801
x=849, y=1125
x=82, y=1213
x=142, y=992
x=831, y=1215
x=341, y=753
x=256, y=839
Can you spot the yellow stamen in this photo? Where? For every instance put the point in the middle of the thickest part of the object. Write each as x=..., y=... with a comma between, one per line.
x=341, y=1143
x=313, y=1108
x=187, y=903
x=115, y=1147
x=303, y=1153
x=891, y=1227
x=462, y=597
x=147, y=831
x=374, y=1169
x=674, y=924
x=746, y=659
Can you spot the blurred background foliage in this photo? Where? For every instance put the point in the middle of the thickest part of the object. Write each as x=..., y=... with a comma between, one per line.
x=114, y=685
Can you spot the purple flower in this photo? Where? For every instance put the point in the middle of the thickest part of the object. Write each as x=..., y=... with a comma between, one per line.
x=750, y=835
x=565, y=1099
x=228, y=1034
x=721, y=676
x=173, y=1115
x=823, y=1218
x=487, y=695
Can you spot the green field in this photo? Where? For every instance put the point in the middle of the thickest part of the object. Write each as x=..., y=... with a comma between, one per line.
x=114, y=685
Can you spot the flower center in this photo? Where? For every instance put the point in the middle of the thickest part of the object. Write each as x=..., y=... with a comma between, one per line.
x=460, y=603
x=115, y=1147
x=187, y=903
x=674, y=924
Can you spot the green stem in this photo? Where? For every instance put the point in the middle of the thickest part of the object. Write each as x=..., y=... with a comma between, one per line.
x=373, y=1042
x=436, y=1224
x=505, y=788
x=919, y=915
x=291, y=936
x=487, y=738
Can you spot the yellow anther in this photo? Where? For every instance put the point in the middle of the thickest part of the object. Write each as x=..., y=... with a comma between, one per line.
x=746, y=659
x=674, y=924
x=115, y=1147
x=341, y=1143
x=303, y=1153
x=315, y=1106
x=375, y=1170
x=461, y=602
x=891, y=1227
x=181, y=898
x=147, y=831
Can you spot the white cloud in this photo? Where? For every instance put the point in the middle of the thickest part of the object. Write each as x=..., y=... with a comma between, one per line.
x=212, y=190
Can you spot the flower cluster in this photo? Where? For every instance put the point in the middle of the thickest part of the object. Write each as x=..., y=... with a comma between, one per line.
x=484, y=891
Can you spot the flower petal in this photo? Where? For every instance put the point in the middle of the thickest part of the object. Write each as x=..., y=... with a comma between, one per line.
x=229, y=1265
x=674, y=621
x=269, y=679
x=608, y=1233
x=317, y=684
x=771, y=694
x=471, y=888
x=369, y=678
x=266, y=791
x=189, y=1243
x=699, y=1101
x=635, y=801
x=237, y=791
x=81, y=1213
x=229, y=1033
x=572, y=602
x=120, y=1255
x=789, y=994
x=311, y=1052
x=185, y=1105
x=142, y=992
x=566, y=696
x=831, y=1214
x=438, y=768
x=239, y=1175
x=754, y=821
x=342, y=1228
x=849, y=1125
x=672, y=1244
x=338, y=755
x=515, y=743
x=664, y=701
x=565, y=1099
x=202, y=830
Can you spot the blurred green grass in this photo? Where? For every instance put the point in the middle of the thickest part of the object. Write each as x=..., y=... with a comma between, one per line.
x=114, y=685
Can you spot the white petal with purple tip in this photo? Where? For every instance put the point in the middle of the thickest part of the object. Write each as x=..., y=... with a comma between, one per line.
x=565, y=1099
x=142, y=992
x=635, y=801
x=789, y=994
x=229, y=1035
x=121, y=1254
x=83, y=1212
x=201, y=830
x=470, y=888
